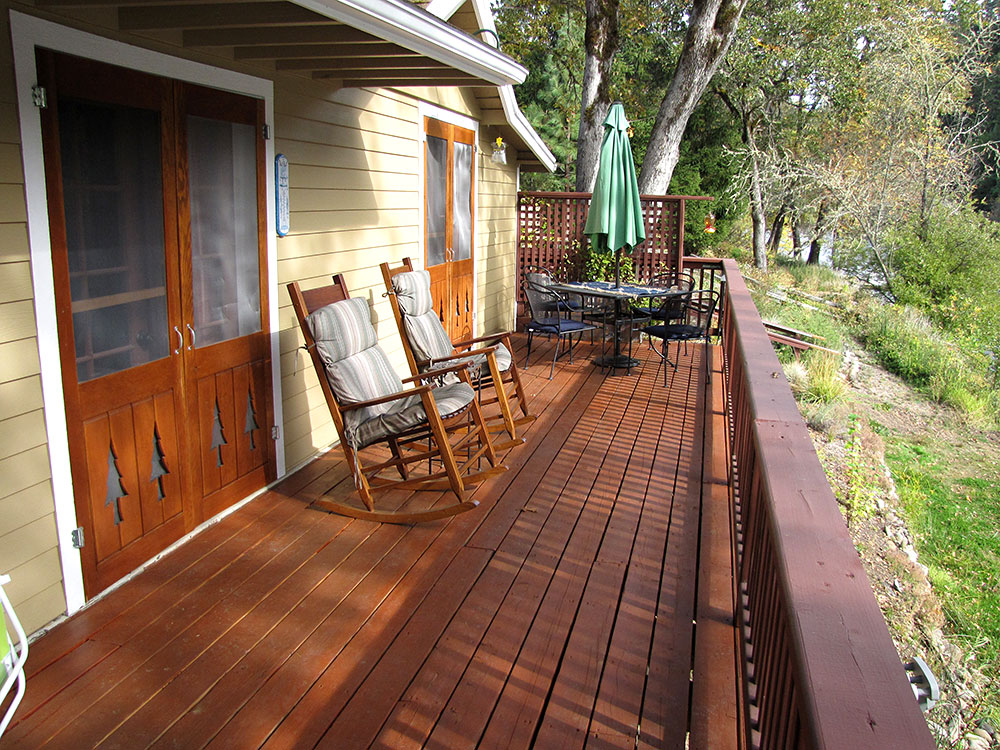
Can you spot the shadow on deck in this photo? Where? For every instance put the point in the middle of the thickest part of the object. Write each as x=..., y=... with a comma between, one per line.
x=588, y=601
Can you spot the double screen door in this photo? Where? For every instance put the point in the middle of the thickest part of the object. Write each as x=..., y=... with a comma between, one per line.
x=449, y=166
x=156, y=216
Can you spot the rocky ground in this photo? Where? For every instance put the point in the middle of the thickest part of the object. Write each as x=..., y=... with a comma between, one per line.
x=849, y=448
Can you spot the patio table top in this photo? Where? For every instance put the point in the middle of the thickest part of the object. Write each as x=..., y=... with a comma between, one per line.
x=609, y=290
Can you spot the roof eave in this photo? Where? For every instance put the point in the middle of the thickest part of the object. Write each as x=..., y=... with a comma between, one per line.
x=523, y=128
x=419, y=31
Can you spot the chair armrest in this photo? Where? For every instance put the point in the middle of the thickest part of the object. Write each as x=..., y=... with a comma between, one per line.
x=481, y=339
x=430, y=374
x=457, y=355
x=384, y=399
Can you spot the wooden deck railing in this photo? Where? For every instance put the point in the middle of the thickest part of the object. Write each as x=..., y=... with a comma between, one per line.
x=820, y=669
x=550, y=233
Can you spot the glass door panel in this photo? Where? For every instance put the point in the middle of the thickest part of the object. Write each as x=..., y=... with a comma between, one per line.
x=437, y=200
x=225, y=273
x=462, y=206
x=113, y=199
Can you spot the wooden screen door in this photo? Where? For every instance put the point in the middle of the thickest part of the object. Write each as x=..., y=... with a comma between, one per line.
x=156, y=216
x=449, y=168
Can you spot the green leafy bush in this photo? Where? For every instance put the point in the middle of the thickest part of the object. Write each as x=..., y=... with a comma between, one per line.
x=950, y=269
x=910, y=345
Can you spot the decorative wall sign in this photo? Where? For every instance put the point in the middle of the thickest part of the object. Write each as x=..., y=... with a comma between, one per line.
x=281, y=208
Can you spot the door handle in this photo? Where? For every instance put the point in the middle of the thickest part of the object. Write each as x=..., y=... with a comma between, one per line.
x=180, y=340
x=194, y=337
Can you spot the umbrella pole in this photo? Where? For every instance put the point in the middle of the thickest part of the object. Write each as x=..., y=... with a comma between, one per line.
x=618, y=268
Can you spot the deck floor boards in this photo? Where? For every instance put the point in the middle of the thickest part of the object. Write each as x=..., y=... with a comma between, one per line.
x=559, y=613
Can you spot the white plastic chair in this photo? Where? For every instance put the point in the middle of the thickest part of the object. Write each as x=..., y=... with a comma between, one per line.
x=12, y=669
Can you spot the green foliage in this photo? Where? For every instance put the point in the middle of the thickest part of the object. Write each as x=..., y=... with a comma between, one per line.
x=908, y=344
x=813, y=278
x=955, y=518
x=950, y=269
x=861, y=494
x=599, y=265
x=825, y=382
x=705, y=167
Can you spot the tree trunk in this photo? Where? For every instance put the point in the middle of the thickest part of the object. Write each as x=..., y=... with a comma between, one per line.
x=601, y=44
x=756, y=205
x=777, y=229
x=796, y=236
x=711, y=28
x=816, y=246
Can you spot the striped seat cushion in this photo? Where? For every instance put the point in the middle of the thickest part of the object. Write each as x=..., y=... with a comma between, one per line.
x=405, y=414
x=480, y=368
x=356, y=366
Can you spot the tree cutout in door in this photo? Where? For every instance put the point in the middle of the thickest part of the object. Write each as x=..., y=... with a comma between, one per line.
x=116, y=490
x=159, y=466
x=251, y=420
x=218, y=438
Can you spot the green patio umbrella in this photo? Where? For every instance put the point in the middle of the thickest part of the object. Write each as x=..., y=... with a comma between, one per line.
x=614, y=220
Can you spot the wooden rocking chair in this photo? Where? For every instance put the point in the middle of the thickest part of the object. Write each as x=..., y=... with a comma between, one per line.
x=369, y=406
x=427, y=345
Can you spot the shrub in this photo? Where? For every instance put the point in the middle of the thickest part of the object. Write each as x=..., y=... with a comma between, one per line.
x=908, y=344
x=826, y=385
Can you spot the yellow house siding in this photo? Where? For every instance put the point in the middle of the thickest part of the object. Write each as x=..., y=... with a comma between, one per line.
x=495, y=237
x=354, y=173
x=23, y=507
x=28, y=543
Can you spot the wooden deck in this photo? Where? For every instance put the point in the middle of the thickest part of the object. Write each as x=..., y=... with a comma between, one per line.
x=587, y=602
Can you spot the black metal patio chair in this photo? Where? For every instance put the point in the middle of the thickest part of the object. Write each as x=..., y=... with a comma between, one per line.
x=696, y=311
x=544, y=305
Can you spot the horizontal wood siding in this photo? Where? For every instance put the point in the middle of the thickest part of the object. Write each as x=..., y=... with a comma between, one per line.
x=28, y=545
x=355, y=171
x=496, y=234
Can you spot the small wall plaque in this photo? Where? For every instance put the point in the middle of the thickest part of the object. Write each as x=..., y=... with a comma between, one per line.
x=281, y=208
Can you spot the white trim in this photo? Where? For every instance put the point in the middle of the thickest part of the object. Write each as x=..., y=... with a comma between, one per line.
x=414, y=28
x=447, y=115
x=435, y=112
x=523, y=128
x=445, y=9
x=27, y=33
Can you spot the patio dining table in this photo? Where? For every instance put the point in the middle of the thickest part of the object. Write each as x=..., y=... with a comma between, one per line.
x=619, y=295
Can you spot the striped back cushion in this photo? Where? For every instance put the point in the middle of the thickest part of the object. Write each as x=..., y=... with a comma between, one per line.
x=347, y=344
x=413, y=292
x=427, y=336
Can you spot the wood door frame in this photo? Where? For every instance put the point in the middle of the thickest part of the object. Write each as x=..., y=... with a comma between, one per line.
x=463, y=121
x=27, y=33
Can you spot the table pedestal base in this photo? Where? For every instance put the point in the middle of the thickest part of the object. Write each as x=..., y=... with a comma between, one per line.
x=620, y=361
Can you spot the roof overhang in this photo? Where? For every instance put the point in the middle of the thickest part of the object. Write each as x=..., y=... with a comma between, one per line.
x=415, y=29
x=349, y=43
x=445, y=9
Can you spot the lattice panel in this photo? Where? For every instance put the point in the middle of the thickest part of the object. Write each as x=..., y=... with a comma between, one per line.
x=550, y=234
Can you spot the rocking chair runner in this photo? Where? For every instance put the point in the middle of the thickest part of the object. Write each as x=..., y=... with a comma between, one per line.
x=369, y=405
x=428, y=345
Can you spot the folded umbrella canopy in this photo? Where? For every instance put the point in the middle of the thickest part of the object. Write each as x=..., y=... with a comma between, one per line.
x=614, y=220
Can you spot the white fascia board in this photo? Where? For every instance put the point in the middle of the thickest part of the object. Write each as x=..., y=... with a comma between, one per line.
x=523, y=128
x=415, y=29
x=445, y=9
